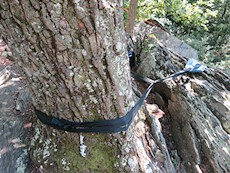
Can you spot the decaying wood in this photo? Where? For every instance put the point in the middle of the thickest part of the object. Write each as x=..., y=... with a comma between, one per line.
x=73, y=57
x=198, y=107
x=4, y=75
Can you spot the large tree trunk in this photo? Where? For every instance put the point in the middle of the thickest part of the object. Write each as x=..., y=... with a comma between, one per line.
x=73, y=57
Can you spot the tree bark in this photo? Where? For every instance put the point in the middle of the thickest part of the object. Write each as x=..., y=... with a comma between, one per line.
x=196, y=106
x=73, y=57
x=131, y=16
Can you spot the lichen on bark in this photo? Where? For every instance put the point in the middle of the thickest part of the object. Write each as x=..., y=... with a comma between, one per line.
x=73, y=57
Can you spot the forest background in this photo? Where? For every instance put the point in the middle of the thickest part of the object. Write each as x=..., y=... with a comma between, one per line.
x=203, y=24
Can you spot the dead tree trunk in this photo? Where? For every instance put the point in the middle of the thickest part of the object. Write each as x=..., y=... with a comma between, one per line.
x=73, y=57
x=197, y=107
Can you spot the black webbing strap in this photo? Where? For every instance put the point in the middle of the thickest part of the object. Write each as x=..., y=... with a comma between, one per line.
x=104, y=126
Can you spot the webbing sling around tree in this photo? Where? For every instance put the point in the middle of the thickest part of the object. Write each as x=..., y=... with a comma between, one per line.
x=118, y=124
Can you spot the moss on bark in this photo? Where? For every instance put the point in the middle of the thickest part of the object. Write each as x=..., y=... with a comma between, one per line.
x=61, y=151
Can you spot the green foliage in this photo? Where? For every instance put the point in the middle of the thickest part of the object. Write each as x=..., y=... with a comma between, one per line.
x=175, y=162
x=203, y=24
x=193, y=14
x=213, y=56
x=4, y=53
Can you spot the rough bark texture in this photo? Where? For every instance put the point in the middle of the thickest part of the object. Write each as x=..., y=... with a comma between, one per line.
x=70, y=43
x=73, y=56
x=198, y=107
x=14, y=155
x=131, y=16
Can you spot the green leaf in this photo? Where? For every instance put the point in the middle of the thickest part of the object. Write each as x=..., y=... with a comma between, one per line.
x=175, y=162
x=4, y=53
